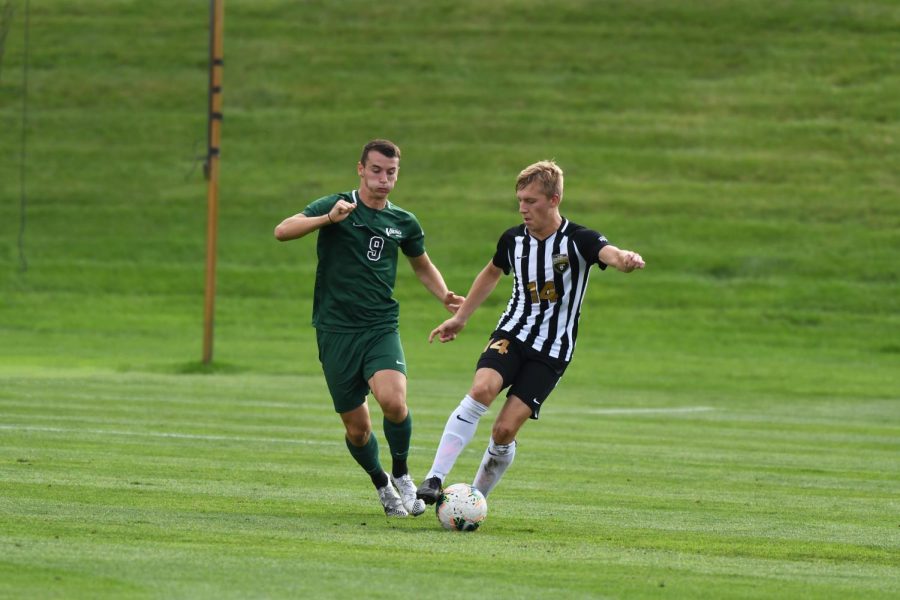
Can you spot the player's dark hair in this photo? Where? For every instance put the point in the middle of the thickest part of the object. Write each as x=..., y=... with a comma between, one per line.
x=386, y=147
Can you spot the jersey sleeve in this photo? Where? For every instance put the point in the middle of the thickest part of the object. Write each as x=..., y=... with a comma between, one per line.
x=503, y=256
x=589, y=244
x=319, y=207
x=413, y=243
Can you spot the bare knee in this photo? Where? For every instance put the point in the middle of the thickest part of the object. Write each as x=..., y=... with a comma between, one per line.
x=389, y=389
x=358, y=436
x=393, y=403
x=503, y=433
x=486, y=386
x=394, y=408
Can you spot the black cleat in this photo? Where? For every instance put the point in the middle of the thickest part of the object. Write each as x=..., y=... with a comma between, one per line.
x=430, y=490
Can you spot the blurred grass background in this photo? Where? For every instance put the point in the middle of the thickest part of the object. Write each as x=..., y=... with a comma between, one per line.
x=748, y=150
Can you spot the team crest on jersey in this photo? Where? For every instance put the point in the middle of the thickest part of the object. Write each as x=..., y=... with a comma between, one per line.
x=560, y=263
x=391, y=232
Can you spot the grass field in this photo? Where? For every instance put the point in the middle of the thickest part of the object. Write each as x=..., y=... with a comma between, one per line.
x=730, y=426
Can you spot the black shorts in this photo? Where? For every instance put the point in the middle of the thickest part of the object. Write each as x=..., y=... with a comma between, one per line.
x=530, y=375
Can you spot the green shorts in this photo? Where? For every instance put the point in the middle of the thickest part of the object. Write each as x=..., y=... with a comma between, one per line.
x=350, y=359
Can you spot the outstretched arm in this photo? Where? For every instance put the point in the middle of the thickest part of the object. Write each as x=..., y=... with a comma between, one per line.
x=433, y=281
x=623, y=260
x=481, y=288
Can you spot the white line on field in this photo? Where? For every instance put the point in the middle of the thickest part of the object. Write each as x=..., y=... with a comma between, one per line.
x=163, y=434
x=643, y=411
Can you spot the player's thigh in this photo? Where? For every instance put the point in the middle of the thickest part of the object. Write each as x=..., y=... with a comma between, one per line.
x=384, y=367
x=388, y=384
x=486, y=385
x=534, y=382
x=389, y=388
x=342, y=357
x=501, y=360
x=511, y=418
x=383, y=352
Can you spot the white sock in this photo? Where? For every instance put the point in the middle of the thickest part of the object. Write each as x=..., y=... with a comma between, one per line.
x=459, y=431
x=496, y=460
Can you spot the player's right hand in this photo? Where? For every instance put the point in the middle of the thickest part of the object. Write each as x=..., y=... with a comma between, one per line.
x=447, y=331
x=340, y=210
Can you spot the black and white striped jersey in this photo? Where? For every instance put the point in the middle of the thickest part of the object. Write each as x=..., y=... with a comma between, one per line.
x=550, y=280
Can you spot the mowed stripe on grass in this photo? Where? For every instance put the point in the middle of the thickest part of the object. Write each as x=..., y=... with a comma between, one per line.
x=690, y=500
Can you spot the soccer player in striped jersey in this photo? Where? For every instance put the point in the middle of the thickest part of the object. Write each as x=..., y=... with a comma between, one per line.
x=550, y=258
x=360, y=236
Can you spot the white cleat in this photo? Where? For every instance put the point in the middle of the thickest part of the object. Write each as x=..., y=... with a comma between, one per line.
x=390, y=500
x=407, y=490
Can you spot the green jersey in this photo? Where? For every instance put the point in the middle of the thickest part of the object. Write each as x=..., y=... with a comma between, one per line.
x=358, y=264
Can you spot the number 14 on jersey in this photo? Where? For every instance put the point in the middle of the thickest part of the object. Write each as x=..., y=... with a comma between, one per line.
x=547, y=292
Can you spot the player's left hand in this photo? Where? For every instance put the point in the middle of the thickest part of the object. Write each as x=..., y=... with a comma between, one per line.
x=632, y=261
x=453, y=301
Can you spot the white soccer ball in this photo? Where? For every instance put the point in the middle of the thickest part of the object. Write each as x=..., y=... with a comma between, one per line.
x=461, y=508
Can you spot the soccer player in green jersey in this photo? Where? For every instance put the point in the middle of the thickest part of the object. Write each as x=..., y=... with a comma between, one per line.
x=361, y=233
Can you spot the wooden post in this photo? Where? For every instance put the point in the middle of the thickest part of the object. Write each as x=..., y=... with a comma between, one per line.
x=211, y=168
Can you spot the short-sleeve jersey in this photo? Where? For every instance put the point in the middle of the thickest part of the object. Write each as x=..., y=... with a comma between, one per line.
x=550, y=279
x=357, y=265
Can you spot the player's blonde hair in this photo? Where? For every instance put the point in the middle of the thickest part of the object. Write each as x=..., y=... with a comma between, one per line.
x=545, y=171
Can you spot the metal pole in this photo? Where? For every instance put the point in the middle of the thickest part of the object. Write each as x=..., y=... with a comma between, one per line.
x=216, y=28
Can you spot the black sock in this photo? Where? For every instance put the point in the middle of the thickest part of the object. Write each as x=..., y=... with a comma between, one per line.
x=380, y=479
x=399, y=467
